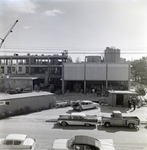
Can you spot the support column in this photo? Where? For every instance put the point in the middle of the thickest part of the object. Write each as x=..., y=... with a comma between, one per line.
x=63, y=79
x=85, y=76
x=106, y=76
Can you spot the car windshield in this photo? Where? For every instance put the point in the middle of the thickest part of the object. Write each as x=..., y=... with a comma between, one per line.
x=70, y=143
x=97, y=143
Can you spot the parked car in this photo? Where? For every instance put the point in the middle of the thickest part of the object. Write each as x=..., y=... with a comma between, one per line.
x=81, y=142
x=17, y=141
x=78, y=119
x=117, y=119
x=84, y=104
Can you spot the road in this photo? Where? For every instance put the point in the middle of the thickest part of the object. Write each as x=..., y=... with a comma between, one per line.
x=42, y=126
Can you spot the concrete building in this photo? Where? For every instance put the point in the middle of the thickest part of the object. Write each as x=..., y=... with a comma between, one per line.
x=47, y=68
x=93, y=59
x=86, y=76
x=19, y=104
x=119, y=98
x=112, y=55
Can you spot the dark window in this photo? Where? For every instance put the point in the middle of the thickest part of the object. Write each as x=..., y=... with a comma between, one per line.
x=20, y=69
x=9, y=142
x=17, y=142
x=13, y=69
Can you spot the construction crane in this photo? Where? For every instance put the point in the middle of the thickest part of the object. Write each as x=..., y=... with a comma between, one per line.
x=7, y=34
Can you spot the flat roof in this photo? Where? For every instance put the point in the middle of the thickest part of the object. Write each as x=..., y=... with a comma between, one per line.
x=23, y=95
x=121, y=92
x=21, y=78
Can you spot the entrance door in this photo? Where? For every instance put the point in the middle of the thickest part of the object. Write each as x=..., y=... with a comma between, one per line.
x=119, y=99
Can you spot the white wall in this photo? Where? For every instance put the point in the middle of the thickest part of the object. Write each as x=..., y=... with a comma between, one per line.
x=96, y=71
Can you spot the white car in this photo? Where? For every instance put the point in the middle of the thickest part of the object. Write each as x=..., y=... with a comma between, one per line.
x=84, y=104
x=81, y=142
x=17, y=141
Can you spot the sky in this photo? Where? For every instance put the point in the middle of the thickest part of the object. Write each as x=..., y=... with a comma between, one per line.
x=83, y=27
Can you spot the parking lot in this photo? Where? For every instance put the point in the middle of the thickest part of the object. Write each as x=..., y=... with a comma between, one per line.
x=44, y=127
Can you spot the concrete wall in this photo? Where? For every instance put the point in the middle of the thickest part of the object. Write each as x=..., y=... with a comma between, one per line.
x=96, y=71
x=118, y=72
x=11, y=83
x=74, y=71
x=26, y=103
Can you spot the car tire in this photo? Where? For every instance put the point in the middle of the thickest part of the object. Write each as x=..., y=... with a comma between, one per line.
x=131, y=125
x=107, y=124
x=63, y=123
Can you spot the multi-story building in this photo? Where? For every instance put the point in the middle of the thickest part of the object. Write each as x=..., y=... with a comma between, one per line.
x=47, y=68
x=112, y=55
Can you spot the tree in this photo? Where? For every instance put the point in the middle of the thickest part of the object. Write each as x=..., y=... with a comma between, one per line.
x=78, y=60
x=139, y=69
x=69, y=59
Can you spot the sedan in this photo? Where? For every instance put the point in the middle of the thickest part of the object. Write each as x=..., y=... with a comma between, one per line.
x=83, y=105
x=82, y=142
x=17, y=141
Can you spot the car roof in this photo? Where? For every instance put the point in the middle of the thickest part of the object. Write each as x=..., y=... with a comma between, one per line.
x=21, y=137
x=86, y=101
x=117, y=111
x=78, y=114
x=81, y=139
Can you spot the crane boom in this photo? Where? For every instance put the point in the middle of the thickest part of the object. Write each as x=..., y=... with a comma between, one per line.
x=7, y=34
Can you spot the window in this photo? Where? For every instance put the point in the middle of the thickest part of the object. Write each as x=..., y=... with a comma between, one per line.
x=13, y=69
x=20, y=69
x=9, y=142
x=17, y=142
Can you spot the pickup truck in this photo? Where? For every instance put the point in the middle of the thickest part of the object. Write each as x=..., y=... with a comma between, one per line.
x=116, y=119
x=78, y=119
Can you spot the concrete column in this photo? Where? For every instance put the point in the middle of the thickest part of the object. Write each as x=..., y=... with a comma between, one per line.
x=85, y=76
x=106, y=76
x=63, y=78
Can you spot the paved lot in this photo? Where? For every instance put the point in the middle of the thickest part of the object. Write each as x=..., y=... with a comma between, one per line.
x=139, y=112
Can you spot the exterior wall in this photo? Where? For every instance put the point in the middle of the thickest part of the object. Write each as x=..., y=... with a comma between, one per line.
x=118, y=72
x=22, y=83
x=15, y=69
x=112, y=100
x=73, y=71
x=93, y=58
x=33, y=103
x=95, y=71
x=112, y=55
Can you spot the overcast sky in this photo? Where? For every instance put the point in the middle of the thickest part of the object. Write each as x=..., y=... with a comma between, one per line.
x=83, y=27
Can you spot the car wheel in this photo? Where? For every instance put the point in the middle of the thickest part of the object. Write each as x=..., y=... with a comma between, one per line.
x=63, y=123
x=131, y=125
x=87, y=124
x=107, y=124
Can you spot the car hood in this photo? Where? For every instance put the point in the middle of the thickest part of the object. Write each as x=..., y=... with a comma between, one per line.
x=106, y=144
x=60, y=144
x=29, y=142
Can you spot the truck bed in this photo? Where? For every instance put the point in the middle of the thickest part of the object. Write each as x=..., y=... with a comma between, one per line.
x=130, y=117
